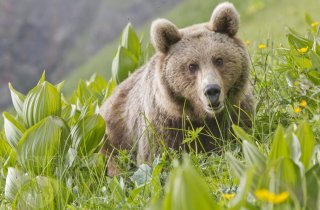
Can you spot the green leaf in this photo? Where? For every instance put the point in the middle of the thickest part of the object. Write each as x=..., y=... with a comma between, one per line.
x=13, y=128
x=116, y=189
x=14, y=181
x=142, y=176
x=83, y=92
x=253, y=156
x=42, y=101
x=187, y=190
x=307, y=143
x=288, y=175
x=109, y=89
x=130, y=41
x=246, y=184
x=279, y=147
x=88, y=134
x=313, y=187
x=17, y=100
x=123, y=64
x=34, y=193
x=42, y=145
x=60, y=86
x=42, y=78
x=240, y=133
x=315, y=60
x=314, y=77
x=236, y=166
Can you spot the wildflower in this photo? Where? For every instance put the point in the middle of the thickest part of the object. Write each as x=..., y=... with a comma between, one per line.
x=303, y=103
x=297, y=110
x=262, y=46
x=303, y=50
x=229, y=196
x=247, y=42
x=266, y=195
x=315, y=24
x=296, y=83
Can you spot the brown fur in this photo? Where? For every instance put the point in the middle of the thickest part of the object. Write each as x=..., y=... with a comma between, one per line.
x=163, y=94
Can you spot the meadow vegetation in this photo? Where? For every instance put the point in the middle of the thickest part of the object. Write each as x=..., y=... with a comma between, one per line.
x=49, y=145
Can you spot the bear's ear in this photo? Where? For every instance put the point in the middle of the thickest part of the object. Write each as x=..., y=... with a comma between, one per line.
x=164, y=34
x=225, y=19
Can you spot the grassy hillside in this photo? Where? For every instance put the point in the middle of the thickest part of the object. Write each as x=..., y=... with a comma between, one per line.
x=260, y=20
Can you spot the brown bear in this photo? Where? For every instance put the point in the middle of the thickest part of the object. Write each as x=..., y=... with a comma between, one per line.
x=198, y=78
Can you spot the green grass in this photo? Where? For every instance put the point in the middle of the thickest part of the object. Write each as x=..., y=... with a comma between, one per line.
x=49, y=148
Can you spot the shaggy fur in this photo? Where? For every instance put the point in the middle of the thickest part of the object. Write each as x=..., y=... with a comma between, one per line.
x=166, y=94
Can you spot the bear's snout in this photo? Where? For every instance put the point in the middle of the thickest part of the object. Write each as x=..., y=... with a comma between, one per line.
x=212, y=92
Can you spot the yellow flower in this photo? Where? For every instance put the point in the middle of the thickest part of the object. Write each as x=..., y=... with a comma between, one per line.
x=315, y=24
x=262, y=46
x=296, y=83
x=297, y=110
x=247, y=42
x=303, y=103
x=266, y=195
x=303, y=50
x=229, y=196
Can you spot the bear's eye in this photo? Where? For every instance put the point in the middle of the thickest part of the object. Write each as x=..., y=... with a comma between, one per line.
x=218, y=62
x=193, y=67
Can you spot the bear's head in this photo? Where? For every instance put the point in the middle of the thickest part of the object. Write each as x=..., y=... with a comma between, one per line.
x=202, y=66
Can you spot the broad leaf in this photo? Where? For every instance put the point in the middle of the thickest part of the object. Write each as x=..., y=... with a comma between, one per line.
x=17, y=100
x=307, y=143
x=187, y=190
x=13, y=128
x=279, y=147
x=123, y=64
x=14, y=182
x=253, y=156
x=87, y=134
x=42, y=101
x=130, y=41
x=42, y=145
x=142, y=176
x=236, y=166
x=313, y=187
x=240, y=133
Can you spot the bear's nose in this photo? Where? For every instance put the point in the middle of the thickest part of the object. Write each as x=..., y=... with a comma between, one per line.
x=213, y=92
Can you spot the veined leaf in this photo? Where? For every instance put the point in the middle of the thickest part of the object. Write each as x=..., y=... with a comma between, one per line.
x=187, y=190
x=142, y=176
x=13, y=129
x=253, y=156
x=87, y=134
x=314, y=76
x=42, y=101
x=109, y=89
x=307, y=143
x=240, y=133
x=313, y=187
x=42, y=78
x=17, y=100
x=34, y=193
x=83, y=92
x=315, y=60
x=14, y=182
x=279, y=147
x=288, y=175
x=130, y=41
x=236, y=166
x=42, y=144
x=123, y=64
